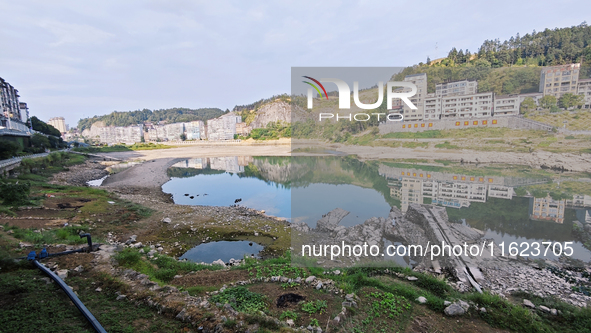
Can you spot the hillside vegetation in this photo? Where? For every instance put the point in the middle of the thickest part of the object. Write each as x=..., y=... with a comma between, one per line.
x=173, y=115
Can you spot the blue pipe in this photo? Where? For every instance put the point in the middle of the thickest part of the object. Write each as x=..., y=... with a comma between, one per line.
x=95, y=324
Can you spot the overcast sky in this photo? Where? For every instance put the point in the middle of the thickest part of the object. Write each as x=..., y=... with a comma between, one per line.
x=83, y=58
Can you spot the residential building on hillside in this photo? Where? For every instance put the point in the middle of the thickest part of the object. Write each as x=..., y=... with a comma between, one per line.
x=464, y=87
x=59, y=123
x=223, y=128
x=432, y=107
x=24, y=111
x=507, y=105
x=420, y=80
x=114, y=135
x=559, y=80
x=467, y=106
x=584, y=89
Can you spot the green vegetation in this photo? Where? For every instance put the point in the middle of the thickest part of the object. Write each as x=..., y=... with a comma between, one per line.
x=173, y=115
x=14, y=193
x=44, y=308
x=288, y=315
x=39, y=238
x=274, y=130
x=120, y=147
x=44, y=128
x=241, y=299
x=162, y=268
x=446, y=145
x=8, y=149
x=313, y=307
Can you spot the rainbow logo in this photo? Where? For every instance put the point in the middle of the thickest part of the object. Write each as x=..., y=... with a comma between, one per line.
x=318, y=83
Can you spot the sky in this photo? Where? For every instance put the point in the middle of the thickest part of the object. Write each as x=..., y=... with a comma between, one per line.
x=77, y=59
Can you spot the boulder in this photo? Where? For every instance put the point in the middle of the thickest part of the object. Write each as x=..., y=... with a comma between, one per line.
x=454, y=310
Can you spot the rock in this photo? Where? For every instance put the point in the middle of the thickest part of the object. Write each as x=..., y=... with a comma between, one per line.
x=483, y=310
x=543, y=308
x=422, y=300
x=350, y=297
x=132, y=238
x=454, y=310
x=553, y=312
x=79, y=269
x=331, y=220
x=290, y=322
x=99, y=289
x=183, y=315
x=446, y=303
x=230, y=310
x=219, y=262
x=62, y=273
x=337, y=272
x=319, y=286
x=464, y=305
x=121, y=297
x=529, y=304
x=412, y=278
x=138, y=245
x=166, y=220
x=310, y=279
x=256, y=233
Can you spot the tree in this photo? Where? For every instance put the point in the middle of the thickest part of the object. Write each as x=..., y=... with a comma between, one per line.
x=548, y=101
x=40, y=141
x=44, y=128
x=183, y=136
x=528, y=104
x=8, y=149
x=569, y=100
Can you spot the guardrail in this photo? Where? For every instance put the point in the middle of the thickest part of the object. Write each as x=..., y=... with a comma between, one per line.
x=16, y=160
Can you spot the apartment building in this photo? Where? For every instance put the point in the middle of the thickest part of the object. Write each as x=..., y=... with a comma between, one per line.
x=507, y=105
x=24, y=111
x=464, y=87
x=223, y=128
x=127, y=135
x=559, y=80
x=10, y=110
x=501, y=192
x=467, y=106
x=59, y=123
x=547, y=209
x=420, y=80
x=432, y=107
x=584, y=89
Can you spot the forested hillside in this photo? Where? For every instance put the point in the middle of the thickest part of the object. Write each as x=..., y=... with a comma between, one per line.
x=173, y=115
x=511, y=66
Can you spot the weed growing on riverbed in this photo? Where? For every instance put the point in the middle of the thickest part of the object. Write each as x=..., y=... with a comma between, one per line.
x=241, y=299
x=313, y=307
x=39, y=238
x=162, y=268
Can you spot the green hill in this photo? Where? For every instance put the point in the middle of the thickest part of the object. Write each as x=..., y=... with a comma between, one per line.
x=173, y=115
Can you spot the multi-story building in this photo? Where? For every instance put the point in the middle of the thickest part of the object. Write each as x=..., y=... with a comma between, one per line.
x=584, y=89
x=580, y=200
x=464, y=87
x=432, y=107
x=499, y=191
x=507, y=105
x=59, y=123
x=127, y=135
x=559, y=80
x=547, y=209
x=467, y=106
x=419, y=80
x=24, y=111
x=223, y=128
x=10, y=111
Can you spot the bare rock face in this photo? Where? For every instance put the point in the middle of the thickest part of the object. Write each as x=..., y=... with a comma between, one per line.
x=272, y=112
x=331, y=220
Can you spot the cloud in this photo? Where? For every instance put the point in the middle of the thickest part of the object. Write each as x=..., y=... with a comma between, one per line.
x=69, y=33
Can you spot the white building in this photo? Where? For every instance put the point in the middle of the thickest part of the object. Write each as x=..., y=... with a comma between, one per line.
x=507, y=105
x=59, y=123
x=467, y=106
x=223, y=128
x=464, y=87
x=420, y=80
x=499, y=191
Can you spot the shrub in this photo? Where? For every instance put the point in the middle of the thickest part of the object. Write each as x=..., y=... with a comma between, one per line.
x=16, y=193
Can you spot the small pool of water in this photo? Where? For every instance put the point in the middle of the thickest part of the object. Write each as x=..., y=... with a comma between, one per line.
x=225, y=250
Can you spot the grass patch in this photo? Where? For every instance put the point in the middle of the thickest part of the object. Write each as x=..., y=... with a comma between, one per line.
x=446, y=145
x=414, y=135
x=66, y=235
x=162, y=268
x=241, y=299
x=415, y=144
x=120, y=148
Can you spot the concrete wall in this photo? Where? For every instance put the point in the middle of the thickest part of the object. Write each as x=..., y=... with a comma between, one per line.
x=492, y=122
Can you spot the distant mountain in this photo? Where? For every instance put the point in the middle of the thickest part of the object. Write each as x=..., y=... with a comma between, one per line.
x=173, y=115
